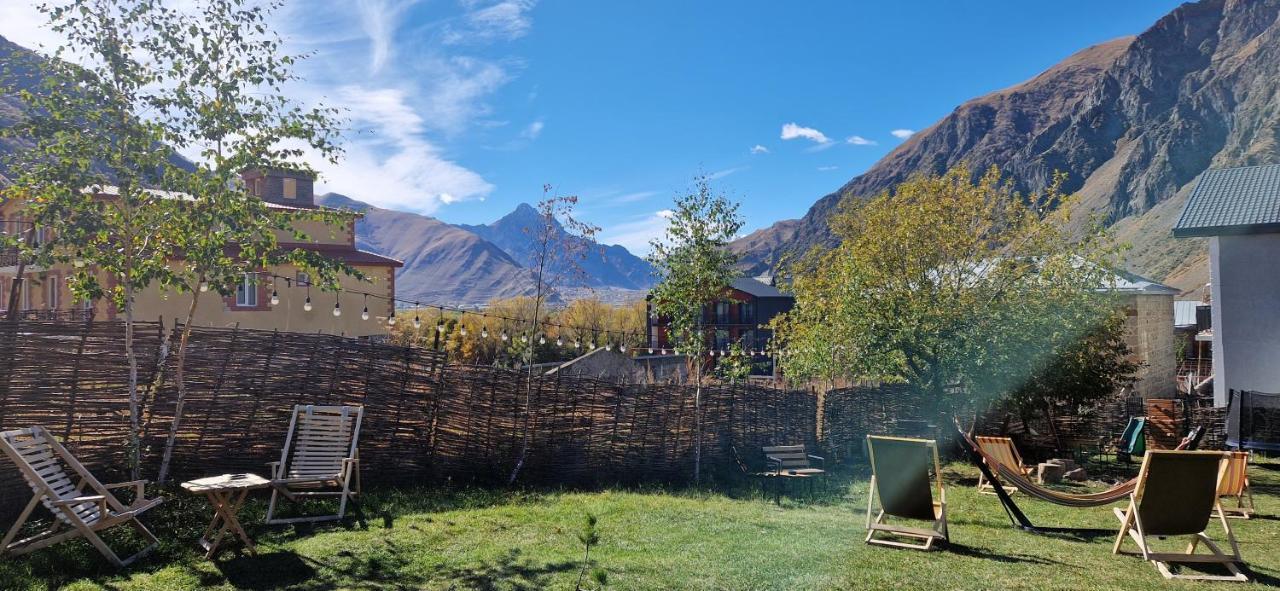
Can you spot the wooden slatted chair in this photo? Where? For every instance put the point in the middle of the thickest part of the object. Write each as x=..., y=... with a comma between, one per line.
x=1235, y=484
x=321, y=453
x=1176, y=494
x=80, y=504
x=902, y=479
x=1002, y=450
x=793, y=460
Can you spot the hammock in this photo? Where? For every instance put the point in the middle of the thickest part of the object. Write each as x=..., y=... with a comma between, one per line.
x=1012, y=477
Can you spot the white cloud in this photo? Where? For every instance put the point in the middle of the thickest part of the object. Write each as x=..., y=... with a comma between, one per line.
x=858, y=140
x=533, y=130
x=379, y=19
x=633, y=197
x=902, y=133
x=485, y=23
x=828, y=168
x=389, y=162
x=791, y=131
x=636, y=233
x=759, y=149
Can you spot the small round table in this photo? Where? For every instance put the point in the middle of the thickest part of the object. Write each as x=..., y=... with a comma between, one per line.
x=226, y=493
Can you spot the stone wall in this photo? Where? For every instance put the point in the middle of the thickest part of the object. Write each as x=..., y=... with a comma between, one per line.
x=1150, y=336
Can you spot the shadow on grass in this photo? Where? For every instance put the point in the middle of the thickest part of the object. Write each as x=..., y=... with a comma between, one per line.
x=266, y=571
x=507, y=572
x=971, y=552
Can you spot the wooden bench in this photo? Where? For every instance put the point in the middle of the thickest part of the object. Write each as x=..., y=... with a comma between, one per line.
x=792, y=460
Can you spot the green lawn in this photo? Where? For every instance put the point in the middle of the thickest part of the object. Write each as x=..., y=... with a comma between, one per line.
x=431, y=539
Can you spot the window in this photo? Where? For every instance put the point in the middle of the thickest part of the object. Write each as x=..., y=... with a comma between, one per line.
x=302, y=279
x=290, y=188
x=247, y=291
x=722, y=312
x=747, y=313
x=25, y=303
x=53, y=293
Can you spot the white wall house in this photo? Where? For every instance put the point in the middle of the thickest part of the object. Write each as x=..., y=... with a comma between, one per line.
x=1238, y=209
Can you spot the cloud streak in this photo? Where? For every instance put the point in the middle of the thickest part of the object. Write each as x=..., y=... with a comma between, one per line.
x=902, y=134
x=636, y=233
x=759, y=149
x=858, y=140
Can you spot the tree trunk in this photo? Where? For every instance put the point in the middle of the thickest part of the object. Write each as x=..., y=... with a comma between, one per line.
x=697, y=422
x=180, y=376
x=135, y=449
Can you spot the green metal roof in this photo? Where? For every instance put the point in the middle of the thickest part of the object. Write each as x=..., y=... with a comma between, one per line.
x=1233, y=201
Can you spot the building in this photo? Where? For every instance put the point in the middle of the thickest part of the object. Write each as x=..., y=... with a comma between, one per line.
x=44, y=293
x=1193, y=335
x=1149, y=333
x=742, y=316
x=1238, y=210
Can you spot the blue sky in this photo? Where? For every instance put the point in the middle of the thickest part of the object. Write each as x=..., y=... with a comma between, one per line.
x=463, y=109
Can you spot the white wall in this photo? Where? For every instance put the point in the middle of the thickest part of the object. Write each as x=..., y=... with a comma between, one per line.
x=1246, y=313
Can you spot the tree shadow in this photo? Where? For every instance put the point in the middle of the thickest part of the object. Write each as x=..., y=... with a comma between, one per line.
x=971, y=552
x=507, y=572
x=265, y=571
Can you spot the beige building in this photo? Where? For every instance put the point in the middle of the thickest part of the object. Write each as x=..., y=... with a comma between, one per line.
x=1149, y=334
x=274, y=298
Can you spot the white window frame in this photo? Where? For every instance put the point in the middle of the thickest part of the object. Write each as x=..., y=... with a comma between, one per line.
x=247, y=291
x=52, y=294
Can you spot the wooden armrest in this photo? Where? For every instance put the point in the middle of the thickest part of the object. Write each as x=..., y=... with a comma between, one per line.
x=274, y=468
x=139, y=487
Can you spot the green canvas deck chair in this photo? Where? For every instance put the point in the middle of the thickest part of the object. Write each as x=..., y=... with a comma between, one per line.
x=1177, y=492
x=321, y=458
x=81, y=506
x=1002, y=450
x=1234, y=484
x=904, y=474
x=1133, y=442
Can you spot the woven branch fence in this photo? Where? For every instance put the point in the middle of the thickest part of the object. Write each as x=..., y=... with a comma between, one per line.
x=425, y=420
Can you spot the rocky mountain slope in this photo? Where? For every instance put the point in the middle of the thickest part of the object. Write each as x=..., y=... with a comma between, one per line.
x=603, y=265
x=1133, y=122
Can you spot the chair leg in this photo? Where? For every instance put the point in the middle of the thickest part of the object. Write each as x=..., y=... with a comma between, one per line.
x=271, y=507
x=17, y=525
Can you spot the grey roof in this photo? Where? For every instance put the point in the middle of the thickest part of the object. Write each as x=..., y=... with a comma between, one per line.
x=1126, y=282
x=757, y=288
x=1233, y=201
x=1184, y=312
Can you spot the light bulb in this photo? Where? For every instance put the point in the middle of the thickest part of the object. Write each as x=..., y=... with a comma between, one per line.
x=391, y=320
x=577, y=344
x=78, y=263
x=417, y=322
x=559, y=343
x=591, y=345
x=462, y=331
x=275, y=298
x=337, y=310
x=364, y=314
x=524, y=338
x=608, y=347
x=542, y=340
x=664, y=351
x=440, y=327
x=649, y=351
x=484, y=333
x=504, y=335
x=622, y=348
x=306, y=306
x=204, y=287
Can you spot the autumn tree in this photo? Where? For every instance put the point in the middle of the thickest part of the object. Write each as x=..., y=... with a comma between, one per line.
x=694, y=267
x=963, y=288
x=225, y=101
x=94, y=176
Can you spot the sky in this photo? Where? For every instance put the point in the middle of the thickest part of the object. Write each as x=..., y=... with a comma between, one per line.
x=462, y=109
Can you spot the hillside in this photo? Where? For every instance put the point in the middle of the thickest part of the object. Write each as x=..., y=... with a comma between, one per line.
x=1133, y=122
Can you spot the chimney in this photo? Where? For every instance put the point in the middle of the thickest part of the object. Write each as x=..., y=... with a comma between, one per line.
x=284, y=187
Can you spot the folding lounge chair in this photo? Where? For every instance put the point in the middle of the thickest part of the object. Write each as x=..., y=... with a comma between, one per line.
x=1003, y=451
x=1235, y=484
x=900, y=479
x=59, y=482
x=1177, y=492
x=320, y=459
x=1133, y=442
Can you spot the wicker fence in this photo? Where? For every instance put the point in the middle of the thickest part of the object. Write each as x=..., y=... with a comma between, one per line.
x=425, y=420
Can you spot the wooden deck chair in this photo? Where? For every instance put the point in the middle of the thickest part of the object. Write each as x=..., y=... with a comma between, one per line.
x=321, y=458
x=1235, y=484
x=1003, y=451
x=901, y=481
x=1176, y=494
x=81, y=505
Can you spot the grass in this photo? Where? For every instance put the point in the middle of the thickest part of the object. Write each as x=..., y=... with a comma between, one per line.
x=475, y=539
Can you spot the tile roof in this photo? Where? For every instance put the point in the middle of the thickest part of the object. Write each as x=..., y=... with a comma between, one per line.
x=1225, y=201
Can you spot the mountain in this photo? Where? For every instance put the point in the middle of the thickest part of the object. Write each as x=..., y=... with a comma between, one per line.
x=443, y=264
x=1133, y=122
x=603, y=265
x=470, y=265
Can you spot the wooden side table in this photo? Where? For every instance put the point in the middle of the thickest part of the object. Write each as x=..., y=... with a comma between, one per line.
x=226, y=493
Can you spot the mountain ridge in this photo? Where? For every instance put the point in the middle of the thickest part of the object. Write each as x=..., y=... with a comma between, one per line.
x=1132, y=122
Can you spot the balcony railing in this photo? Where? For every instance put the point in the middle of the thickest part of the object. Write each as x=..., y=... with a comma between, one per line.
x=72, y=315
x=8, y=257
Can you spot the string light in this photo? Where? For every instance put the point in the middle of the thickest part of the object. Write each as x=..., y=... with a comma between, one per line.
x=542, y=340
x=391, y=320
x=484, y=333
x=622, y=348
x=417, y=320
x=524, y=338
x=559, y=343
x=504, y=336
x=337, y=308
x=364, y=314
x=306, y=306
x=462, y=331
x=204, y=286
x=275, y=296
x=577, y=344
